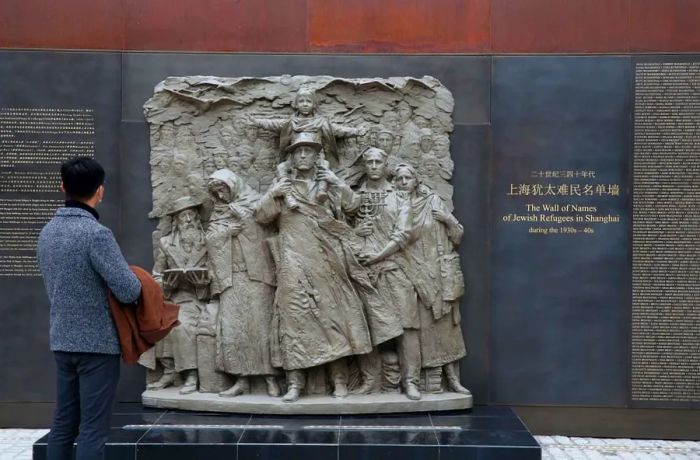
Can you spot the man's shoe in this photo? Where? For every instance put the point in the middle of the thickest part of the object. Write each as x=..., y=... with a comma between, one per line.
x=340, y=390
x=455, y=386
x=190, y=385
x=292, y=395
x=167, y=380
x=412, y=392
x=241, y=386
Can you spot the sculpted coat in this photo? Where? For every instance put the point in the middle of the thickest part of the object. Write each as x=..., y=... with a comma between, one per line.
x=243, y=277
x=321, y=286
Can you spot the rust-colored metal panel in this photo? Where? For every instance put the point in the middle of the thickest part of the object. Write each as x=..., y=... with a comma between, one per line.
x=216, y=25
x=665, y=25
x=404, y=26
x=560, y=26
x=76, y=24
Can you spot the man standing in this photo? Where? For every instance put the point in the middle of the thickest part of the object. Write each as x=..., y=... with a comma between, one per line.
x=321, y=287
x=384, y=221
x=80, y=260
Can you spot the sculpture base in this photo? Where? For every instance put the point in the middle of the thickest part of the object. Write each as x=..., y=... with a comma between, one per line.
x=484, y=433
x=381, y=403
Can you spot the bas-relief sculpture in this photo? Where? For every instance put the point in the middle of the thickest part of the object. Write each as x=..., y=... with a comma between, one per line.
x=305, y=229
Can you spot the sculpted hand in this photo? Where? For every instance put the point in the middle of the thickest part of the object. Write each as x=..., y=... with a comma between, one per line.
x=234, y=228
x=169, y=281
x=364, y=229
x=325, y=174
x=281, y=188
x=368, y=258
x=440, y=216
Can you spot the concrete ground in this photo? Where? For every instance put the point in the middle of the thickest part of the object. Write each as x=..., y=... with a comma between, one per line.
x=16, y=444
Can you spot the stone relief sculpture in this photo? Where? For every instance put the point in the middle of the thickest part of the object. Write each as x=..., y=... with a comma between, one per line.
x=305, y=229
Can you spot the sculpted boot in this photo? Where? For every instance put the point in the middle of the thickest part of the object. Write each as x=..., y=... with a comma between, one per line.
x=453, y=383
x=191, y=382
x=292, y=395
x=340, y=390
x=273, y=389
x=241, y=386
x=166, y=380
x=412, y=391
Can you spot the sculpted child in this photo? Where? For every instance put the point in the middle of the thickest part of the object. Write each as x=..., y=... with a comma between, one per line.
x=306, y=119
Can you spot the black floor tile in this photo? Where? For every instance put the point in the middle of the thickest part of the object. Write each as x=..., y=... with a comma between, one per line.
x=469, y=422
x=187, y=418
x=388, y=438
x=486, y=438
x=175, y=436
x=384, y=420
x=287, y=452
x=295, y=420
x=120, y=445
x=386, y=452
x=284, y=436
x=186, y=452
x=489, y=453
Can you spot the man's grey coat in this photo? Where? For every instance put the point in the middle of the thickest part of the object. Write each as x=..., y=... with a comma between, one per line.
x=80, y=259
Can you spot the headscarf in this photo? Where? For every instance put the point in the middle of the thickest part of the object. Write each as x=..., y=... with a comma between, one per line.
x=243, y=198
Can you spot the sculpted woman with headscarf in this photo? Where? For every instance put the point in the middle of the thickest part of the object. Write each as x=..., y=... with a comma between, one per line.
x=243, y=277
x=434, y=269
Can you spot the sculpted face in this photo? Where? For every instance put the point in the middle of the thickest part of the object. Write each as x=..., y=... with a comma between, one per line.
x=404, y=112
x=305, y=104
x=385, y=141
x=179, y=165
x=220, y=160
x=405, y=181
x=187, y=218
x=426, y=143
x=431, y=167
x=375, y=165
x=251, y=133
x=220, y=191
x=304, y=157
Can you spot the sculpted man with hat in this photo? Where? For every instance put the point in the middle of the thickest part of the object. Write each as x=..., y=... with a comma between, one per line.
x=180, y=266
x=322, y=289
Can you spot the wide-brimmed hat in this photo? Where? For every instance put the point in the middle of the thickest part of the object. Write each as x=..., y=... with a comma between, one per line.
x=186, y=202
x=304, y=138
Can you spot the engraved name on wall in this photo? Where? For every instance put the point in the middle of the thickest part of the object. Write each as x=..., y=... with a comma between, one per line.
x=666, y=239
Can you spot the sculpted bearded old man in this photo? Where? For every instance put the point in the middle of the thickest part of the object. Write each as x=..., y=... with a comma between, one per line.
x=321, y=287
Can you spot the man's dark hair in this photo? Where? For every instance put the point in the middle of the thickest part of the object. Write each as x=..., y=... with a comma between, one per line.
x=81, y=177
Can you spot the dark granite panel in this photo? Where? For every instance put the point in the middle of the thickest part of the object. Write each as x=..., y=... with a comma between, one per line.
x=471, y=422
x=560, y=303
x=189, y=418
x=185, y=452
x=388, y=452
x=471, y=151
x=287, y=451
x=55, y=80
x=121, y=444
x=468, y=77
x=174, y=436
x=489, y=453
x=499, y=438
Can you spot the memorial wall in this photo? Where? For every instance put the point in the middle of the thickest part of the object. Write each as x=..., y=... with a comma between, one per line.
x=575, y=178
